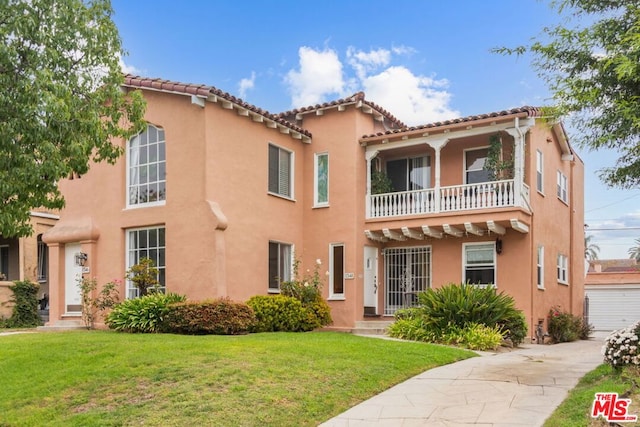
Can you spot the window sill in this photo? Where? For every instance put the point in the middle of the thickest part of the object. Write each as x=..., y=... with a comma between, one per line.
x=337, y=298
x=541, y=288
x=273, y=291
x=145, y=205
x=565, y=202
x=320, y=206
x=280, y=196
x=563, y=283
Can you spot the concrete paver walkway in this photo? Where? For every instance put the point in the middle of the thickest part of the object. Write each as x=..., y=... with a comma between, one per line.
x=518, y=388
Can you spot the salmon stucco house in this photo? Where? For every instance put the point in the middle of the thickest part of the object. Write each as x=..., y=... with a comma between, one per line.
x=225, y=197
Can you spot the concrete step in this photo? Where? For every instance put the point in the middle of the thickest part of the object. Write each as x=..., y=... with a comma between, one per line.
x=64, y=325
x=371, y=327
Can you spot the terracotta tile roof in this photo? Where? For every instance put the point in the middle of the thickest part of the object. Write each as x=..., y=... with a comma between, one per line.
x=529, y=111
x=356, y=98
x=207, y=91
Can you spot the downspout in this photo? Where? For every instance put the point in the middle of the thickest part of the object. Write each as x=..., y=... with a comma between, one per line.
x=571, y=242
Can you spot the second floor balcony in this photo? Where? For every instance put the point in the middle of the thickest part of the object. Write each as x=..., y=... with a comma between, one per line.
x=456, y=198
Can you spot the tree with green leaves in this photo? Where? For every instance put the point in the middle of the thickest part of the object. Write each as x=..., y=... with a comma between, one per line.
x=591, y=250
x=61, y=101
x=634, y=251
x=591, y=64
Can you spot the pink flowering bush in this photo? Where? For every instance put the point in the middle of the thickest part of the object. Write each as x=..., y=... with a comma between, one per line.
x=621, y=347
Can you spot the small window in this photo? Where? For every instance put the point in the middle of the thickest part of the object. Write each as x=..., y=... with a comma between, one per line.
x=562, y=269
x=146, y=243
x=475, y=161
x=479, y=264
x=280, y=262
x=146, y=179
x=4, y=262
x=43, y=259
x=539, y=171
x=540, y=267
x=336, y=270
x=280, y=171
x=321, y=188
x=562, y=187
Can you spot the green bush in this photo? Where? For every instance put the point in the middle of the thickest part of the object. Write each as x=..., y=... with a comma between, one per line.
x=459, y=305
x=410, y=329
x=565, y=327
x=144, y=314
x=307, y=290
x=474, y=336
x=25, y=305
x=219, y=317
x=278, y=313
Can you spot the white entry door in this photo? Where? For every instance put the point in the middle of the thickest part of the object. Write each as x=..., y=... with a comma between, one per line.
x=370, y=280
x=72, y=274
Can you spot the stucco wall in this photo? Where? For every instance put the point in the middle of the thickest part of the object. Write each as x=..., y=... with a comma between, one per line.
x=6, y=294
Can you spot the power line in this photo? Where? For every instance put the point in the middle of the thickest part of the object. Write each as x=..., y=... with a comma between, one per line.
x=614, y=203
x=612, y=229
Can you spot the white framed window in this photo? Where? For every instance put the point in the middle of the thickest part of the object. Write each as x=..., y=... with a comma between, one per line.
x=409, y=174
x=146, y=168
x=321, y=180
x=43, y=260
x=281, y=168
x=146, y=243
x=540, y=267
x=479, y=263
x=539, y=172
x=562, y=269
x=562, y=187
x=336, y=271
x=474, y=163
x=280, y=264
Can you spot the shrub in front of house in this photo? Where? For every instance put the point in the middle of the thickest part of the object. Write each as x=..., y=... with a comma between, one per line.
x=455, y=311
x=145, y=314
x=25, y=305
x=622, y=347
x=565, y=327
x=279, y=313
x=218, y=317
x=474, y=336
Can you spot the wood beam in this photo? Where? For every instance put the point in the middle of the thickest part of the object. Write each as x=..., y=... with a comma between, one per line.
x=376, y=237
x=452, y=231
x=432, y=232
x=393, y=235
x=496, y=228
x=473, y=229
x=412, y=234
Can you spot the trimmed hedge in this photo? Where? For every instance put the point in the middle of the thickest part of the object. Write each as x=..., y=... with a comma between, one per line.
x=218, y=317
x=279, y=313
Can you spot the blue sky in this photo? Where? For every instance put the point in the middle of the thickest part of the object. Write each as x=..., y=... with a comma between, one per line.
x=423, y=61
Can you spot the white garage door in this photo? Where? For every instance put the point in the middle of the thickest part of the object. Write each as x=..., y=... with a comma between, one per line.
x=613, y=307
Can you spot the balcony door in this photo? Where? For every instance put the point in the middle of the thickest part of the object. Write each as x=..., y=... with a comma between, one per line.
x=410, y=174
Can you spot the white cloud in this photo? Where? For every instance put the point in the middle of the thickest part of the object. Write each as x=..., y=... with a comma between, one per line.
x=246, y=84
x=411, y=98
x=128, y=69
x=414, y=99
x=320, y=75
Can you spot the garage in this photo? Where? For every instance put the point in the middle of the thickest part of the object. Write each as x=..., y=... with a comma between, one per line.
x=613, y=306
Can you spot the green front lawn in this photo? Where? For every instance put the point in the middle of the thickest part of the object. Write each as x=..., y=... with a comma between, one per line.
x=101, y=378
x=575, y=411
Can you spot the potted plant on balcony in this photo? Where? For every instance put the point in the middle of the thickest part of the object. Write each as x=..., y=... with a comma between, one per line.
x=499, y=166
x=380, y=183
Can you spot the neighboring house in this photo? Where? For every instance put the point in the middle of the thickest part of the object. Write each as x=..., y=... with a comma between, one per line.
x=225, y=197
x=612, y=288
x=25, y=258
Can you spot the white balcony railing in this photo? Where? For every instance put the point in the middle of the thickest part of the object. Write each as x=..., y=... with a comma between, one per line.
x=486, y=195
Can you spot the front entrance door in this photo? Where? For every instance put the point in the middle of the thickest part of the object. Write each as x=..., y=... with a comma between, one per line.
x=72, y=273
x=370, y=280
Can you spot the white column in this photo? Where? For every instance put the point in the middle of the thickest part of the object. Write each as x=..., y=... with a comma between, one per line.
x=437, y=145
x=369, y=156
x=518, y=133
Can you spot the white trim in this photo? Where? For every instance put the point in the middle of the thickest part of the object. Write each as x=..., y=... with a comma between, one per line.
x=280, y=244
x=562, y=269
x=127, y=261
x=540, y=264
x=292, y=172
x=464, y=161
x=44, y=215
x=336, y=295
x=162, y=202
x=495, y=262
x=540, y=169
x=316, y=203
x=562, y=187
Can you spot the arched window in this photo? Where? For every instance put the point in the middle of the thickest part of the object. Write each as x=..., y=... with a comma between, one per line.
x=146, y=165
